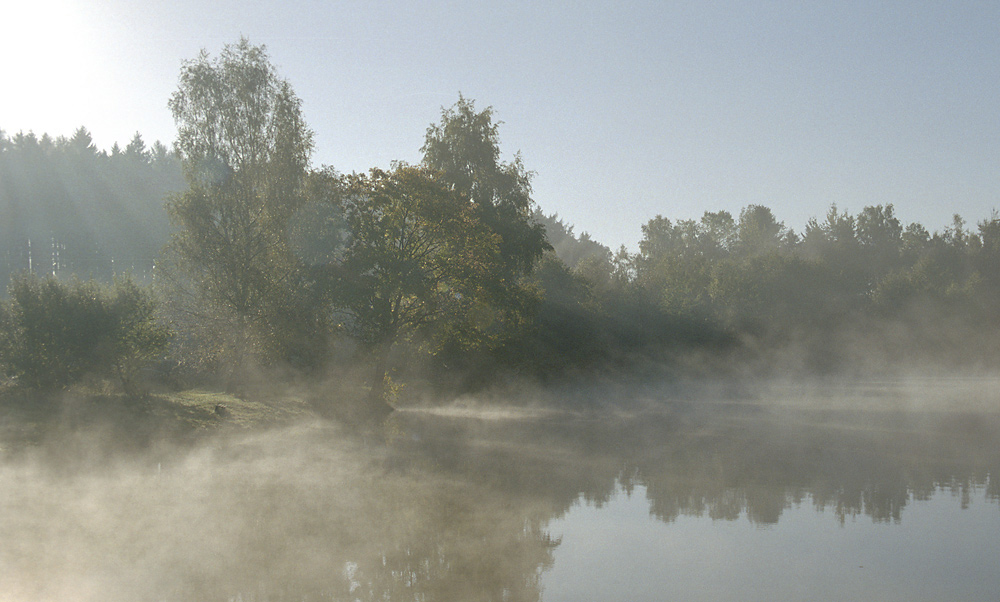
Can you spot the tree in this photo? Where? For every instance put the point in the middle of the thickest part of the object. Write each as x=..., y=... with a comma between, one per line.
x=759, y=231
x=835, y=243
x=137, y=338
x=159, y=153
x=82, y=144
x=772, y=293
x=570, y=248
x=719, y=229
x=987, y=255
x=881, y=238
x=418, y=259
x=675, y=260
x=136, y=150
x=245, y=149
x=916, y=241
x=674, y=264
x=465, y=147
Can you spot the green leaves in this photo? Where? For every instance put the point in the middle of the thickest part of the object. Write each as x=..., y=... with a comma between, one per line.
x=417, y=254
x=465, y=148
x=55, y=333
x=246, y=152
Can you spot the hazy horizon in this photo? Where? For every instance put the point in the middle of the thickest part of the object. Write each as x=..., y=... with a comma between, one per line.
x=647, y=108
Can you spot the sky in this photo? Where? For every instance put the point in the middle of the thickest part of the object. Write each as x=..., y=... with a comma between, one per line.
x=624, y=110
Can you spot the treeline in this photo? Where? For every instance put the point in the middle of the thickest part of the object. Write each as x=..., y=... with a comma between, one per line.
x=852, y=292
x=445, y=275
x=68, y=208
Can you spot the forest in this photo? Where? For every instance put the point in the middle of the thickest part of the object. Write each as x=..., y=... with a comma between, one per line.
x=230, y=261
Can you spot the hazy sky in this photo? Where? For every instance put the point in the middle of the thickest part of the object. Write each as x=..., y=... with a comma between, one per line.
x=624, y=109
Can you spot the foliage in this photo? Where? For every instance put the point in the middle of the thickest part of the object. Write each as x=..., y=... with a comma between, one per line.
x=465, y=147
x=56, y=333
x=759, y=231
x=569, y=248
x=675, y=260
x=772, y=292
x=318, y=231
x=245, y=149
x=137, y=338
x=569, y=325
x=418, y=259
x=849, y=281
x=272, y=260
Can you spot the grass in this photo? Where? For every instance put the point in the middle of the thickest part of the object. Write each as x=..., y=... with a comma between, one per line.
x=196, y=408
x=30, y=418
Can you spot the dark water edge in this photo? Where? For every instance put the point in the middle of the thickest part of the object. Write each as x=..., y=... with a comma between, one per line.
x=469, y=502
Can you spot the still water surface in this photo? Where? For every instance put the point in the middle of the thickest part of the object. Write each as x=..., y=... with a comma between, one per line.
x=939, y=551
x=696, y=500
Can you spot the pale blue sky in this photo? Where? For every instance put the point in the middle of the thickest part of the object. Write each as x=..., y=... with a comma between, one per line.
x=624, y=109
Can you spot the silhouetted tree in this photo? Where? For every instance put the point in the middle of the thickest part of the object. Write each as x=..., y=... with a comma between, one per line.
x=136, y=150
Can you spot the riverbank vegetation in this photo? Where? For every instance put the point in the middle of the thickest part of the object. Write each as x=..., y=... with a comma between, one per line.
x=250, y=270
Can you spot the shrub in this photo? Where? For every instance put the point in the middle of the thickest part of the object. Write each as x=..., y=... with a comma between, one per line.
x=55, y=333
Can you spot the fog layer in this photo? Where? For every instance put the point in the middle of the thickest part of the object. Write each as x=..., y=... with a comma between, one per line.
x=446, y=505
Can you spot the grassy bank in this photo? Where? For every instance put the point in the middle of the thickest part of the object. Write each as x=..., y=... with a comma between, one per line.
x=29, y=419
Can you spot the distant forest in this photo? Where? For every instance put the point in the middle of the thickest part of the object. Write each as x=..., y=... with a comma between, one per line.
x=71, y=208
x=447, y=272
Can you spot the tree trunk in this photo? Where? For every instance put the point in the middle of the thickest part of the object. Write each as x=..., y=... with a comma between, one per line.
x=376, y=405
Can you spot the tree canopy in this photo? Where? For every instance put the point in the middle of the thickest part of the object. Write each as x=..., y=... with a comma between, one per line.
x=465, y=147
x=67, y=208
x=275, y=264
x=418, y=259
x=245, y=149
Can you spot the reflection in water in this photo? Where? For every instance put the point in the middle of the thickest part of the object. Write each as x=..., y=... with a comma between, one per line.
x=293, y=515
x=618, y=552
x=446, y=507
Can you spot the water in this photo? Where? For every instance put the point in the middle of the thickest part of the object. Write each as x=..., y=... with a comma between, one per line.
x=938, y=551
x=694, y=501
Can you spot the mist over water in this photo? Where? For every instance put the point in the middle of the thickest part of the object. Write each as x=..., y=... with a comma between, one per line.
x=212, y=414
x=473, y=504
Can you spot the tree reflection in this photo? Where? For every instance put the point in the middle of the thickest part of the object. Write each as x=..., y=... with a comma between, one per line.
x=726, y=465
x=446, y=507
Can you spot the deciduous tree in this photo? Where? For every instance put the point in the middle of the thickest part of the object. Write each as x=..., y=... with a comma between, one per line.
x=246, y=149
x=418, y=259
x=465, y=147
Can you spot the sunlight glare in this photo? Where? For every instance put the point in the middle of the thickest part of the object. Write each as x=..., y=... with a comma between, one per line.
x=49, y=63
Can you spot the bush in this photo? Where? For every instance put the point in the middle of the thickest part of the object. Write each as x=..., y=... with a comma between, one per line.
x=52, y=334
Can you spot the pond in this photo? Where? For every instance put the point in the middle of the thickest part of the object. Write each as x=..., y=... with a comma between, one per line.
x=939, y=551
x=845, y=495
